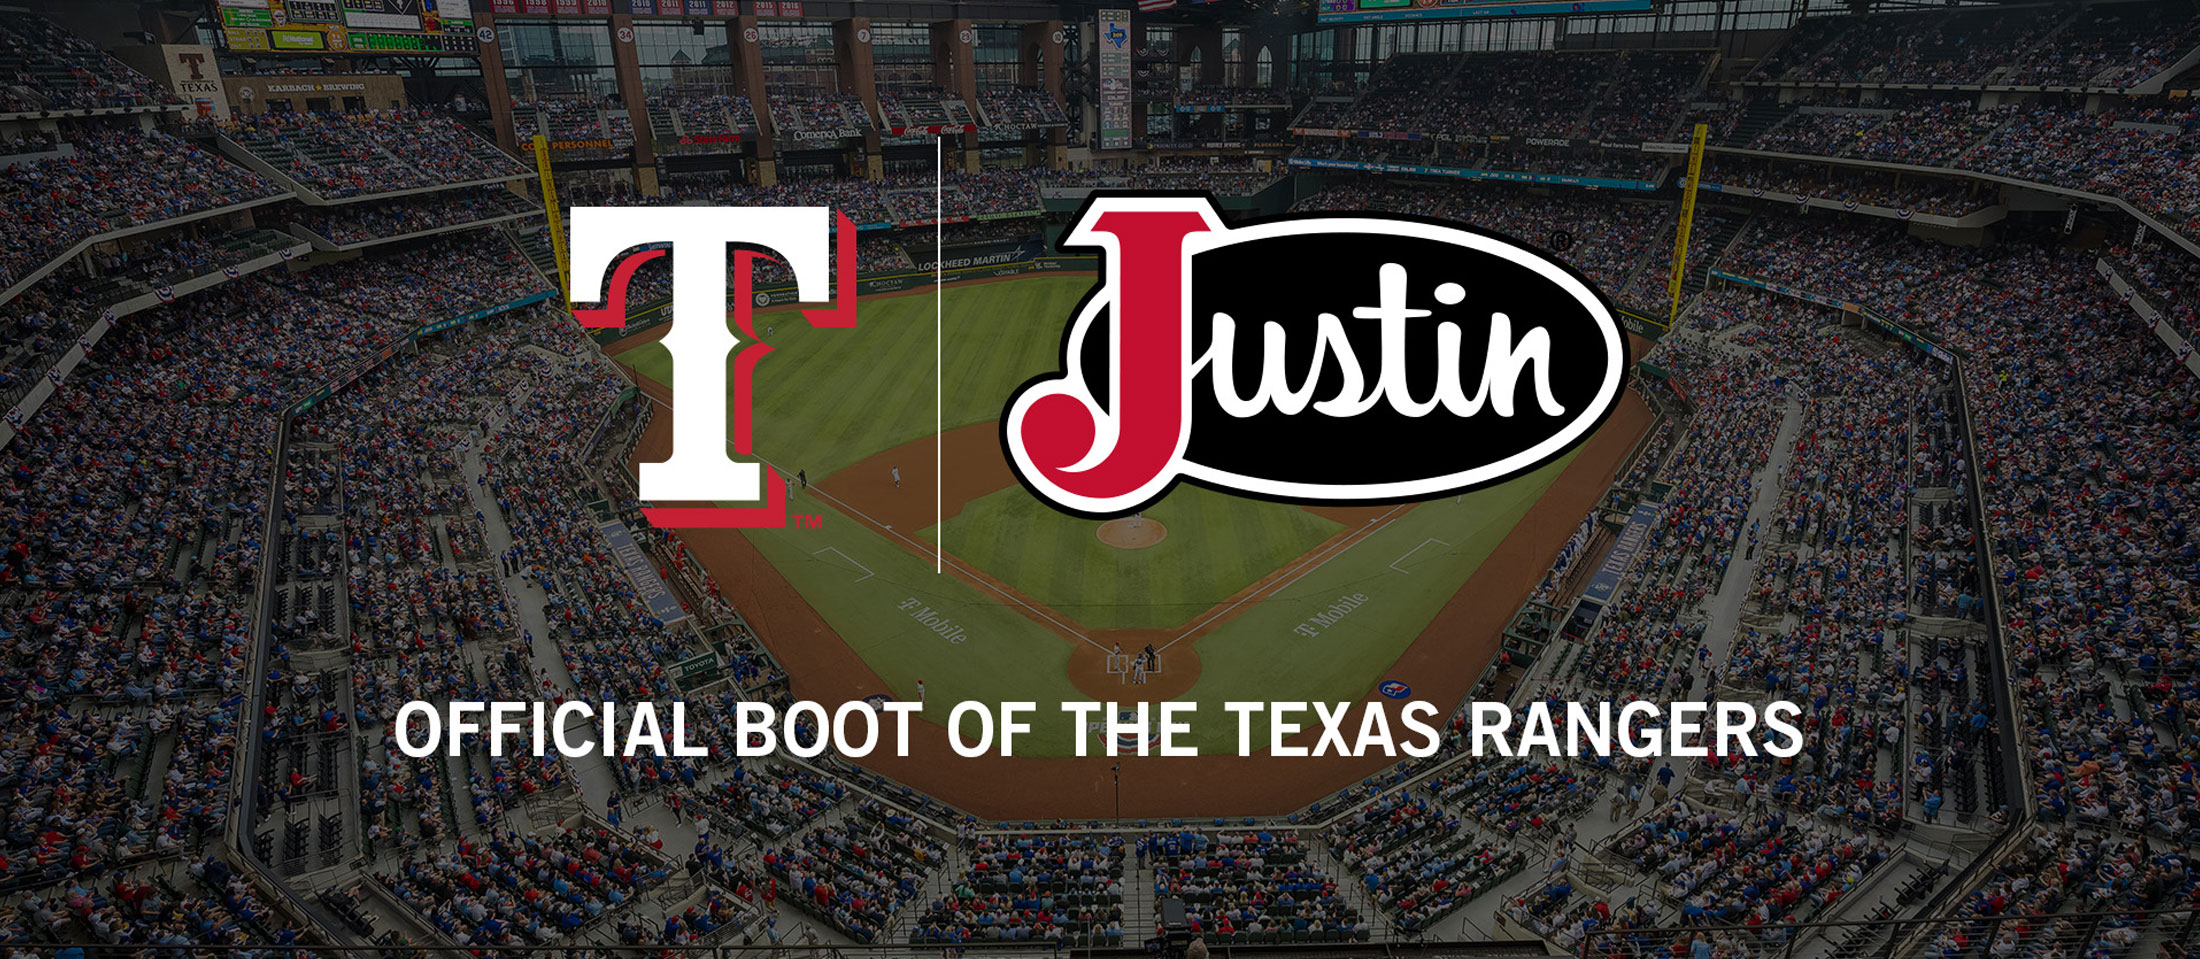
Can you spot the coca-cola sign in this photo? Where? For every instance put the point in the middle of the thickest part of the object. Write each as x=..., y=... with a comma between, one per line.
x=1335, y=358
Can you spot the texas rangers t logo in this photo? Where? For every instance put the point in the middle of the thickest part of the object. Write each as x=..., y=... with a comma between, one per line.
x=700, y=468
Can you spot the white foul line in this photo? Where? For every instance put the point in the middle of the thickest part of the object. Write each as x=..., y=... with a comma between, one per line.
x=975, y=575
x=1303, y=570
x=1402, y=556
x=867, y=574
x=939, y=363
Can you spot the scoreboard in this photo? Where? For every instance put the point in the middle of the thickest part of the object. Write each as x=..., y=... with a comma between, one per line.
x=324, y=26
x=1381, y=11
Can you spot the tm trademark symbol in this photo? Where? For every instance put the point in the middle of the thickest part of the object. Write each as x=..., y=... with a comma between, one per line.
x=808, y=521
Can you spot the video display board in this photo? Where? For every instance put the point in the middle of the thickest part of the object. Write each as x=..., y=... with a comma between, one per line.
x=321, y=26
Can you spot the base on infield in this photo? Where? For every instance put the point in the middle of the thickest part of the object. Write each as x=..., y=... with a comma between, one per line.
x=1132, y=532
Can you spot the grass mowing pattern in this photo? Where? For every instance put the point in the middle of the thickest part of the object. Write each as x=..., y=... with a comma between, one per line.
x=1217, y=545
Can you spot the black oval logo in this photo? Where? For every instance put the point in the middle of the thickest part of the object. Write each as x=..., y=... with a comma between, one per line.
x=1329, y=358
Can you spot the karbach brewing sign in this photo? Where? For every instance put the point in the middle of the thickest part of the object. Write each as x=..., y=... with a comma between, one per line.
x=1347, y=358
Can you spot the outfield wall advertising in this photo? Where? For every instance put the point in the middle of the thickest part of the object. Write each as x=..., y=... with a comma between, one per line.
x=1463, y=173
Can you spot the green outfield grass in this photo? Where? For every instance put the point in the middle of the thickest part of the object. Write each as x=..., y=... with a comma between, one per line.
x=829, y=398
x=1216, y=545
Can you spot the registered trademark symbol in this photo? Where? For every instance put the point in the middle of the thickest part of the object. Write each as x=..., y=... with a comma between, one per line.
x=1561, y=241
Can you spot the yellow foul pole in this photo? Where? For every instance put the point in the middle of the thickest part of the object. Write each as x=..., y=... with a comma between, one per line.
x=550, y=209
x=1688, y=217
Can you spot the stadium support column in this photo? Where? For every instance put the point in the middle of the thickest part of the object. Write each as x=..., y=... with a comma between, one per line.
x=852, y=53
x=747, y=55
x=1204, y=40
x=1039, y=62
x=627, y=67
x=493, y=83
x=955, y=71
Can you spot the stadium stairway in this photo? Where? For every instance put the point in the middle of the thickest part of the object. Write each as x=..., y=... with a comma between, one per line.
x=1723, y=236
x=937, y=886
x=1761, y=115
x=1725, y=606
x=1350, y=886
x=536, y=248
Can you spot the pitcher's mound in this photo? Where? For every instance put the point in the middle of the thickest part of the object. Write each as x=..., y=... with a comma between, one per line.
x=1130, y=533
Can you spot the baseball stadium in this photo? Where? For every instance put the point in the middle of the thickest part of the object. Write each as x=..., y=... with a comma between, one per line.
x=320, y=404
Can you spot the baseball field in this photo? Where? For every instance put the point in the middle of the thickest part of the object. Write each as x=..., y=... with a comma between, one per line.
x=943, y=569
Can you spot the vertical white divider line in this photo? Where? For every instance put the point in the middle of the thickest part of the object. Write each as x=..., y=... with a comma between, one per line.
x=939, y=362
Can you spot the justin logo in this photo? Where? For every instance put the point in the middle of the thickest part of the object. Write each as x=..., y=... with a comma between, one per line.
x=808, y=239
x=1356, y=359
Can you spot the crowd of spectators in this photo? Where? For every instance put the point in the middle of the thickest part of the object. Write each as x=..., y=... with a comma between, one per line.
x=55, y=203
x=2111, y=45
x=1020, y=108
x=131, y=581
x=821, y=115
x=2105, y=45
x=1959, y=47
x=47, y=317
x=1255, y=882
x=361, y=154
x=2134, y=151
x=1033, y=887
x=565, y=118
x=1942, y=196
x=44, y=68
x=514, y=890
x=1323, y=113
x=1417, y=861
x=2140, y=154
x=2168, y=280
x=704, y=113
x=918, y=107
x=1604, y=240
x=856, y=874
x=999, y=191
x=367, y=222
x=128, y=595
x=774, y=799
x=1625, y=97
x=2089, y=597
x=1751, y=871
